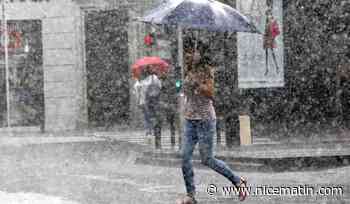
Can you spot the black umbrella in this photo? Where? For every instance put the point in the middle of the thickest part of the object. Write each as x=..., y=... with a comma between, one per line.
x=200, y=14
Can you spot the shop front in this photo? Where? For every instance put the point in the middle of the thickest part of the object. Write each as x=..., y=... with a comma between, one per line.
x=45, y=66
x=107, y=67
x=26, y=75
x=69, y=63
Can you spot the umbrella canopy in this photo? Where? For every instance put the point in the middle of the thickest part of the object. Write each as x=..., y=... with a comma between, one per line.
x=155, y=65
x=200, y=14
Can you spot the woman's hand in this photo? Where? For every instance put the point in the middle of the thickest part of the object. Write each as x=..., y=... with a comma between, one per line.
x=206, y=88
x=198, y=84
x=190, y=84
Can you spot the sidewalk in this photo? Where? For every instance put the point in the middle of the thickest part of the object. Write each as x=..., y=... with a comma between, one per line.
x=137, y=136
x=263, y=155
x=34, y=138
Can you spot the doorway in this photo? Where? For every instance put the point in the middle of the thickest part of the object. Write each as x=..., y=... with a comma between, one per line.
x=107, y=67
x=25, y=75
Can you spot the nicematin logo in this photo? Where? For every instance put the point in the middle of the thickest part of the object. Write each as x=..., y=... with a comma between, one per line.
x=265, y=190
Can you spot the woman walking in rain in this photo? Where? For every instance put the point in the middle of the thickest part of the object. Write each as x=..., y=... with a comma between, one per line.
x=271, y=32
x=200, y=122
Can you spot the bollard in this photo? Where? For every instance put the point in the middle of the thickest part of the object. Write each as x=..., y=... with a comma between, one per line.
x=231, y=131
x=172, y=135
x=218, y=130
x=157, y=130
x=158, y=135
x=172, y=131
x=245, y=130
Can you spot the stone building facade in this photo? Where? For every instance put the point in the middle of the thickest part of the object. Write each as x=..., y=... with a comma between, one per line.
x=61, y=58
x=64, y=55
x=68, y=56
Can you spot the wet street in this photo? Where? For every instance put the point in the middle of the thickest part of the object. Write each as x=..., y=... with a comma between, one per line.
x=103, y=172
x=84, y=82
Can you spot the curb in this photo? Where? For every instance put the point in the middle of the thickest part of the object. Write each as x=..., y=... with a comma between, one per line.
x=267, y=163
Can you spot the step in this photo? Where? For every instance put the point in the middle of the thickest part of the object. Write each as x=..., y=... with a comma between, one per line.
x=166, y=140
x=253, y=162
x=176, y=163
x=19, y=129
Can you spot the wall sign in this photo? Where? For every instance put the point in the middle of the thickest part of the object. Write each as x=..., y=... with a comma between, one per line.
x=260, y=57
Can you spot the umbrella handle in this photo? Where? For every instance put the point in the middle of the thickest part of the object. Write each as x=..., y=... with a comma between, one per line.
x=197, y=38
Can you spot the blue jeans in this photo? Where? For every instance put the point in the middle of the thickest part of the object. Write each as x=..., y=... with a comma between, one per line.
x=147, y=120
x=202, y=131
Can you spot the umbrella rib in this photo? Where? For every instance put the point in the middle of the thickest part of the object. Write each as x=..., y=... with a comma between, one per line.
x=169, y=11
x=180, y=13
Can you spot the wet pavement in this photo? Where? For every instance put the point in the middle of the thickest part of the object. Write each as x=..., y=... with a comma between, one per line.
x=94, y=172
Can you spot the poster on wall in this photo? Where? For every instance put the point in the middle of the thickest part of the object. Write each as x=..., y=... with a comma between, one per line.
x=260, y=56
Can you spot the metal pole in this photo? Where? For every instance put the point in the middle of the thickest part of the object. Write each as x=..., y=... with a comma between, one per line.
x=181, y=98
x=5, y=43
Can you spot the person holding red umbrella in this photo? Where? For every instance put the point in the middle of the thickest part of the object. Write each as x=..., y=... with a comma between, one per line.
x=147, y=71
x=152, y=104
x=155, y=64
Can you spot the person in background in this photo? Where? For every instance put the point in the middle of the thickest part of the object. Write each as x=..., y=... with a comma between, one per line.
x=343, y=91
x=168, y=100
x=200, y=121
x=153, y=87
x=139, y=90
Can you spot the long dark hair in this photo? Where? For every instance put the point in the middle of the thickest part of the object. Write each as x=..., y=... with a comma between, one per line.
x=203, y=49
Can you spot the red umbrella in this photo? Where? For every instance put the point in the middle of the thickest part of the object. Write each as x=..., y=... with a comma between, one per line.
x=155, y=65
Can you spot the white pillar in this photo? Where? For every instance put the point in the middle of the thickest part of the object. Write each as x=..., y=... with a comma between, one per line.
x=5, y=43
